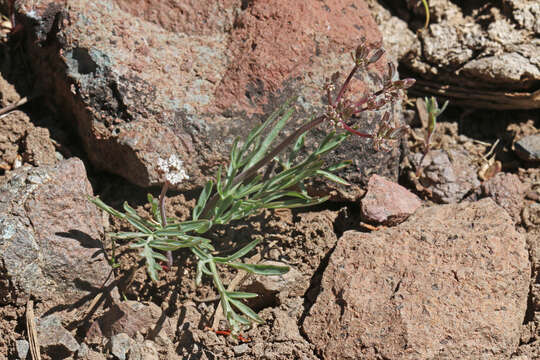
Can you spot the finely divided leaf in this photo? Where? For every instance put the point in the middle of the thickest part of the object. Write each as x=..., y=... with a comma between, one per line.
x=261, y=269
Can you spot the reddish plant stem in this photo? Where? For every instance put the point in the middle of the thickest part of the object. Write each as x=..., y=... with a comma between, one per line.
x=345, y=85
x=355, y=132
x=162, y=197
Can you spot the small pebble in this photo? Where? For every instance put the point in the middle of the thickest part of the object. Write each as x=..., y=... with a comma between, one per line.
x=528, y=148
x=22, y=347
x=240, y=349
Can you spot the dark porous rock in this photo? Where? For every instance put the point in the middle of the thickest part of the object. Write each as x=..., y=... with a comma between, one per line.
x=507, y=191
x=146, y=79
x=448, y=174
x=449, y=283
x=528, y=148
x=54, y=339
x=388, y=203
x=50, y=235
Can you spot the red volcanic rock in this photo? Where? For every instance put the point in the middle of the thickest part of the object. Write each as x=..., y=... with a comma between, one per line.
x=507, y=191
x=449, y=283
x=387, y=202
x=145, y=79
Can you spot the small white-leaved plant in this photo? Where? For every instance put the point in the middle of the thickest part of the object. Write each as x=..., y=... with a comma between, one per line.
x=241, y=190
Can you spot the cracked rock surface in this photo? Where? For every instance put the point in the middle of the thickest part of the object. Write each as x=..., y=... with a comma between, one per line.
x=140, y=83
x=475, y=53
x=450, y=282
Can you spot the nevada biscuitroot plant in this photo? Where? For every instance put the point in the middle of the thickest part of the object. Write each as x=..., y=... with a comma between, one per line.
x=244, y=188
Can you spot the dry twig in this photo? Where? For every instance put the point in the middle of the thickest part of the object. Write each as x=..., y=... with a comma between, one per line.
x=31, y=330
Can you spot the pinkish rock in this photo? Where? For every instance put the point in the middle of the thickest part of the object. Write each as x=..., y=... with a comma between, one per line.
x=50, y=235
x=146, y=79
x=19, y=136
x=507, y=191
x=387, y=202
x=449, y=283
x=39, y=149
x=129, y=317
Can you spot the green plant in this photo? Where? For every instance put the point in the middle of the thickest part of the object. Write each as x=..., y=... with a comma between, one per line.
x=243, y=189
x=428, y=110
x=426, y=8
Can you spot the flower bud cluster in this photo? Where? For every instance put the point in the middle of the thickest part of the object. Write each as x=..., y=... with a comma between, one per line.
x=363, y=56
x=172, y=169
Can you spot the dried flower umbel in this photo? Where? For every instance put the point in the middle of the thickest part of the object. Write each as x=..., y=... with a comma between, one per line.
x=241, y=190
x=342, y=112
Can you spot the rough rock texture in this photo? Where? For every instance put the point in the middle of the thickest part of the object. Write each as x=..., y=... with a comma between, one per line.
x=507, y=191
x=129, y=317
x=49, y=235
x=54, y=339
x=449, y=283
x=21, y=140
x=284, y=340
x=145, y=79
x=85, y=353
x=143, y=351
x=279, y=338
x=528, y=148
x=274, y=289
x=476, y=53
x=22, y=347
x=448, y=174
x=119, y=345
x=388, y=203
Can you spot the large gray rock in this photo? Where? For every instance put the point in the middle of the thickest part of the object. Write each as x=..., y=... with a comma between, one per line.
x=146, y=79
x=50, y=235
x=449, y=283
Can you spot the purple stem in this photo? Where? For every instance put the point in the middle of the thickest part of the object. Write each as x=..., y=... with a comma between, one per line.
x=350, y=129
x=164, y=217
x=346, y=84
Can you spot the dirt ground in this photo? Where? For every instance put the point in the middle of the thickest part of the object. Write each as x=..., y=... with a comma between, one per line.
x=33, y=135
